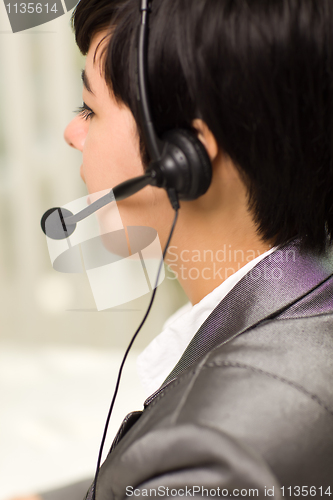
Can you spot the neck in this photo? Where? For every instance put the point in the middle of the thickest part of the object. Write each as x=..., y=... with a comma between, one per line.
x=204, y=255
x=216, y=234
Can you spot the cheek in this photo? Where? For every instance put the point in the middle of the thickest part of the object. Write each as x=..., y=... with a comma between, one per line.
x=111, y=154
x=97, y=161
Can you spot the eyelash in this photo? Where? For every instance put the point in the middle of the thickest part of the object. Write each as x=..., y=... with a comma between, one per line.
x=85, y=112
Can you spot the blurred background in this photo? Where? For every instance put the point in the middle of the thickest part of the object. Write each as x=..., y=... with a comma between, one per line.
x=59, y=357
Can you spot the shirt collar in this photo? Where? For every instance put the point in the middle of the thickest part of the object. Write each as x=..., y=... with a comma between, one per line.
x=158, y=359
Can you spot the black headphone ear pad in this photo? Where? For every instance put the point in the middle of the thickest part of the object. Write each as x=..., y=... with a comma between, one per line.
x=198, y=165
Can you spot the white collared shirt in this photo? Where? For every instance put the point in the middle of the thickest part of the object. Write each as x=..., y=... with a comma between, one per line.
x=158, y=359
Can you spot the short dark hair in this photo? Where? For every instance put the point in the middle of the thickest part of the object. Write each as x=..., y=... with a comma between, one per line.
x=259, y=73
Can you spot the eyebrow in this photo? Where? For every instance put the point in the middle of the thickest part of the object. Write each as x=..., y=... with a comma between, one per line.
x=85, y=81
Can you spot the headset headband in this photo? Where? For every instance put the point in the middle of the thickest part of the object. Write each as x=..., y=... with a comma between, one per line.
x=153, y=143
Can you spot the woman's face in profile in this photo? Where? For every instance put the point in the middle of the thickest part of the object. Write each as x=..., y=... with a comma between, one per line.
x=105, y=132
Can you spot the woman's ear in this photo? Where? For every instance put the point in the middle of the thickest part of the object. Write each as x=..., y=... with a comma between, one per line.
x=206, y=137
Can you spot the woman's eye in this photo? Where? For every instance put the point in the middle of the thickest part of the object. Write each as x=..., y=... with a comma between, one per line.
x=85, y=112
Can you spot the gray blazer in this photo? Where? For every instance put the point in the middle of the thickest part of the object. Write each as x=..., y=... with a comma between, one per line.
x=250, y=404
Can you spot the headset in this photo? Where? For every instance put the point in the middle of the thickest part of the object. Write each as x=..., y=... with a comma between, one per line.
x=179, y=164
x=179, y=161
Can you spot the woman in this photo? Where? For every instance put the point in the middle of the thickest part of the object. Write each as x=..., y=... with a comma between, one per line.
x=239, y=413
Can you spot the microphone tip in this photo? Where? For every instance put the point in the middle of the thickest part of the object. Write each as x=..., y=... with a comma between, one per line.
x=53, y=223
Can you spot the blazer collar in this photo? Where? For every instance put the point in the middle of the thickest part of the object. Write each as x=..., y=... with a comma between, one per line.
x=273, y=285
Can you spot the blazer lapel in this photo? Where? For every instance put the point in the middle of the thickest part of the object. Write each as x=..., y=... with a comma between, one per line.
x=126, y=425
x=273, y=285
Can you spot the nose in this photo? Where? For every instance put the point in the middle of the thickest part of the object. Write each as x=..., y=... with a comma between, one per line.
x=76, y=132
